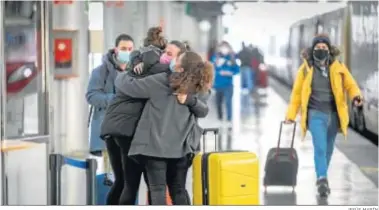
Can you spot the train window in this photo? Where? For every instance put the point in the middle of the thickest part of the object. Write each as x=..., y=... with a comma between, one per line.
x=25, y=107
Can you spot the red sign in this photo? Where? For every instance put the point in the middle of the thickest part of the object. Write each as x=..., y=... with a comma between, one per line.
x=62, y=2
x=63, y=53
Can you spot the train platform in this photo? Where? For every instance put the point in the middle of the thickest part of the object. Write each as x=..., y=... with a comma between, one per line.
x=353, y=173
x=353, y=180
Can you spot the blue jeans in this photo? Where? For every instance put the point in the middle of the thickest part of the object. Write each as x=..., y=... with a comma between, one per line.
x=225, y=93
x=324, y=128
x=247, y=78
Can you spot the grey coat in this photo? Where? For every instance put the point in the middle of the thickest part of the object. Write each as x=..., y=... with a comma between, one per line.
x=166, y=129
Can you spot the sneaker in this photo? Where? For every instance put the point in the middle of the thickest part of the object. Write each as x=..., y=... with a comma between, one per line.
x=323, y=187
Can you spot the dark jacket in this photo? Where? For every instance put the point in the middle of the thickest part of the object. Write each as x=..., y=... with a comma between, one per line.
x=245, y=57
x=150, y=57
x=166, y=129
x=100, y=92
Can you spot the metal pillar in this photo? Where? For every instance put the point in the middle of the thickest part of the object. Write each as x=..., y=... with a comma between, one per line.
x=220, y=29
x=3, y=191
x=70, y=110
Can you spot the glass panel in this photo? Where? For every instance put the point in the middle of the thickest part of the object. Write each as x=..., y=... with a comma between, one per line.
x=25, y=113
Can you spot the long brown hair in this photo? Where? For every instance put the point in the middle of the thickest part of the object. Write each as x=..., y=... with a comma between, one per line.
x=196, y=77
x=155, y=37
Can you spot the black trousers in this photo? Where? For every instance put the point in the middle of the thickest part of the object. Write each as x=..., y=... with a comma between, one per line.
x=171, y=172
x=127, y=172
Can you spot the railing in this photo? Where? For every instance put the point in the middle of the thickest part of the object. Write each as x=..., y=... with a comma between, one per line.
x=57, y=161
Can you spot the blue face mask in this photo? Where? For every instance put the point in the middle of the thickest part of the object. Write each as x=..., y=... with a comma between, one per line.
x=123, y=56
x=172, y=65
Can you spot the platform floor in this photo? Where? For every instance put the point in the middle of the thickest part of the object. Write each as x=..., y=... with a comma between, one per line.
x=353, y=173
x=350, y=181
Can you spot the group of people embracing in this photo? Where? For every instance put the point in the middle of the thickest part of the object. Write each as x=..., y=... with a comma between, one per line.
x=145, y=105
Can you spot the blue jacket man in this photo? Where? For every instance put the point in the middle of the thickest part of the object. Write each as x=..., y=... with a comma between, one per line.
x=225, y=68
x=101, y=88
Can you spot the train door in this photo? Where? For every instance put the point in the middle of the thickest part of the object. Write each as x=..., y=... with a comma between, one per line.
x=24, y=111
x=2, y=107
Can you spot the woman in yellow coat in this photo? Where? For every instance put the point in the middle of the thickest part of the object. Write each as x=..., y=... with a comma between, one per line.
x=319, y=93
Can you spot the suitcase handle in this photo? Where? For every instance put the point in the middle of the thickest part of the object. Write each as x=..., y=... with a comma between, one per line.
x=215, y=132
x=280, y=133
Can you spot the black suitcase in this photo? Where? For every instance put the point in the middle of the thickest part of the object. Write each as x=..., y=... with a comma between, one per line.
x=281, y=164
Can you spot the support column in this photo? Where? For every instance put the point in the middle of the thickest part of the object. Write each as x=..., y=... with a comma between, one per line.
x=70, y=110
x=204, y=42
x=3, y=189
x=220, y=29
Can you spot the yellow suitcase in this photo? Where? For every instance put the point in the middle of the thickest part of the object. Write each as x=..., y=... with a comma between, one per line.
x=225, y=178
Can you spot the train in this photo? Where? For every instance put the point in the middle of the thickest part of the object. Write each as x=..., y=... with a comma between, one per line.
x=354, y=30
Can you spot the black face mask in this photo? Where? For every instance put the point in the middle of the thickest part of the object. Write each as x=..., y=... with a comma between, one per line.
x=320, y=54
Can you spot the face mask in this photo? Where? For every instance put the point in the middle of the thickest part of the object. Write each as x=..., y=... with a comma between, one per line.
x=123, y=56
x=320, y=54
x=224, y=50
x=172, y=65
x=165, y=59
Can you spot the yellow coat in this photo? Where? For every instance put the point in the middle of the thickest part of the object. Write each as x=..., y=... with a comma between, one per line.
x=341, y=82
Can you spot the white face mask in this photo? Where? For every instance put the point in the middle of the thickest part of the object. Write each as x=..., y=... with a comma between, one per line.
x=224, y=50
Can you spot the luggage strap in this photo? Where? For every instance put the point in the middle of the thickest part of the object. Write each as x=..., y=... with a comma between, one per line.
x=292, y=141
